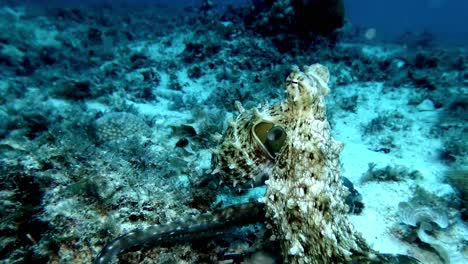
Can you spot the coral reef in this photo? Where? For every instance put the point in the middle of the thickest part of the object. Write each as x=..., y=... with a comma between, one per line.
x=109, y=114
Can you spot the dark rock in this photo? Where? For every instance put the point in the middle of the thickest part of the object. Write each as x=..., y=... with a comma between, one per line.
x=95, y=35
x=182, y=143
x=184, y=130
x=195, y=72
x=354, y=199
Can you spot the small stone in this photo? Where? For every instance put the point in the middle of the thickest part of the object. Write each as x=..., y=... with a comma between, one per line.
x=182, y=143
x=426, y=105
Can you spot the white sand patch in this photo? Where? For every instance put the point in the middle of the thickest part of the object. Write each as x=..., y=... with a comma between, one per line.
x=177, y=45
x=416, y=150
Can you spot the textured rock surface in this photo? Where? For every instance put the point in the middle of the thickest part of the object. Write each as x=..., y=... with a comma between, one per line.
x=305, y=196
x=119, y=125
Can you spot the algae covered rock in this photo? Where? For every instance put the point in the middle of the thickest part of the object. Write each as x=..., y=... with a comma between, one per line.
x=119, y=125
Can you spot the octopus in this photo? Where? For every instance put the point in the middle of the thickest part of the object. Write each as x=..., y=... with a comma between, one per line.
x=291, y=145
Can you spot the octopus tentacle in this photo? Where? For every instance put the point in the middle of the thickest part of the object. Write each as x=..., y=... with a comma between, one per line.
x=209, y=224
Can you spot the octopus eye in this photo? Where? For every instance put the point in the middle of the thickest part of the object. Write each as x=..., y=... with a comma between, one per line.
x=269, y=137
x=275, y=140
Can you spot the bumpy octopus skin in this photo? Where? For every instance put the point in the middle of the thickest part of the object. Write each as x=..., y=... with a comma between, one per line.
x=305, y=199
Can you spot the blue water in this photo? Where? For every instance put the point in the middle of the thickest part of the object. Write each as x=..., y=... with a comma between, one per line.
x=446, y=19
